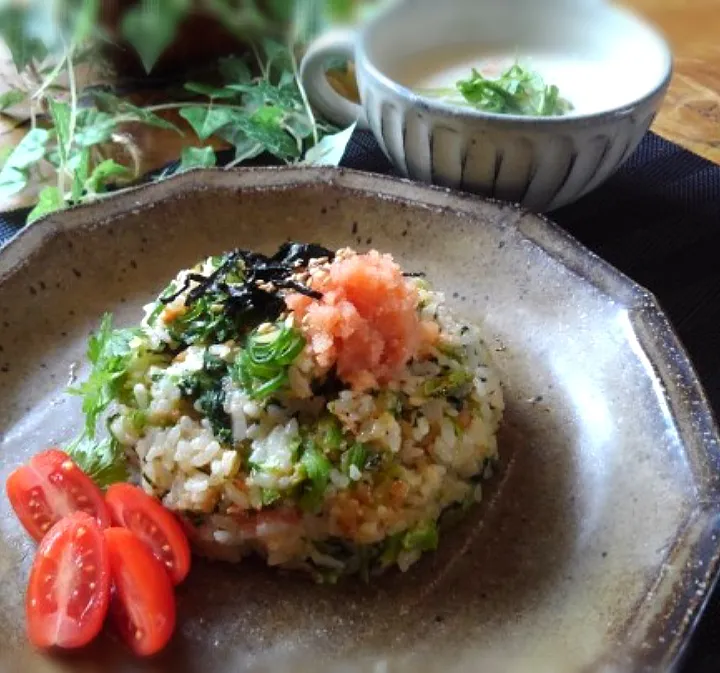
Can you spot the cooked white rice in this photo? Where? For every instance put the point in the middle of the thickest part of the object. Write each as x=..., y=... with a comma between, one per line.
x=425, y=440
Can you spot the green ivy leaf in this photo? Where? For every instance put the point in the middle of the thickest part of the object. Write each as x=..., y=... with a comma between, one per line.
x=112, y=104
x=50, y=199
x=263, y=92
x=151, y=27
x=330, y=150
x=102, y=173
x=264, y=127
x=12, y=181
x=30, y=150
x=245, y=148
x=94, y=127
x=80, y=174
x=24, y=48
x=210, y=91
x=235, y=70
x=196, y=157
x=60, y=113
x=10, y=98
x=207, y=120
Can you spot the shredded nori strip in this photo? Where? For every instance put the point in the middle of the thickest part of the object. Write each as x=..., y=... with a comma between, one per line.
x=255, y=298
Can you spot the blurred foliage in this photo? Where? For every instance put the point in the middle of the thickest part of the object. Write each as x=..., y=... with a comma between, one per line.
x=255, y=101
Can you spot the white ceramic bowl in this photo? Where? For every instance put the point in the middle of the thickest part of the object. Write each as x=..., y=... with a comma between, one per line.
x=622, y=70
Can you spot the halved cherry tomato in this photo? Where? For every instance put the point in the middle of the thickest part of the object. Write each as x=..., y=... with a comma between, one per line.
x=50, y=487
x=69, y=588
x=142, y=603
x=132, y=508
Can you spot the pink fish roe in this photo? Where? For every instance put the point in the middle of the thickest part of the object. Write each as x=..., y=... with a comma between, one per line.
x=367, y=322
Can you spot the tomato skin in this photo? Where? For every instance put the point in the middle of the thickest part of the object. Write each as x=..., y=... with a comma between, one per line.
x=69, y=587
x=143, y=601
x=50, y=487
x=132, y=508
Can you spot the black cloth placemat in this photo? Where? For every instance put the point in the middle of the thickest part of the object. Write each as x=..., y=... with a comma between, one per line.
x=657, y=220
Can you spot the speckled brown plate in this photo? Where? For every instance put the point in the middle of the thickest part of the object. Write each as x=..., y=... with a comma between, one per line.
x=596, y=545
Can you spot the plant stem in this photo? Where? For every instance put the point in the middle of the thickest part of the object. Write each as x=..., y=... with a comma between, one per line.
x=51, y=77
x=303, y=94
x=263, y=69
x=175, y=106
x=73, y=96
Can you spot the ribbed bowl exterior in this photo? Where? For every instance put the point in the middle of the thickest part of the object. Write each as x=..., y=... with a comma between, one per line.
x=540, y=164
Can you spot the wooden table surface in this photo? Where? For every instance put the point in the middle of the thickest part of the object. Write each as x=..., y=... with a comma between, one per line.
x=689, y=117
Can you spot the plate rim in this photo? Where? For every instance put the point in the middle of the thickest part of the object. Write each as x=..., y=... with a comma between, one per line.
x=682, y=389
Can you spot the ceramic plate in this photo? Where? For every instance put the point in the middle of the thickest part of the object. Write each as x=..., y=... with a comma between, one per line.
x=595, y=546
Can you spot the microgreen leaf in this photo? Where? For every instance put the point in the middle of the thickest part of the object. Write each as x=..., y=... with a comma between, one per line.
x=109, y=354
x=50, y=199
x=197, y=157
x=103, y=461
x=517, y=91
x=330, y=150
x=207, y=120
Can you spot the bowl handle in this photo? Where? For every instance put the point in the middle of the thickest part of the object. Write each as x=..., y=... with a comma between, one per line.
x=322, y=96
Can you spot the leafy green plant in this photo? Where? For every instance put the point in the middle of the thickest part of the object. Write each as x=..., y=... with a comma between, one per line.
x=517, y=90
x=256, y=105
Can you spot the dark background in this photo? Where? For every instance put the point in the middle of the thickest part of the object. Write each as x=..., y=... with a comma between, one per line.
x=657, y=220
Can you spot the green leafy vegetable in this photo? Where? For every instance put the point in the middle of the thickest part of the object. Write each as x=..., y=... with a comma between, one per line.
x=329, y=433
x=109, y=354
x=445, y=385
x=103, y=461
x=355, y=456
x=317, y=468
x=206, y=389
x=391, y=549
x=268, y=496
x=517, y=91
x=262, y=368
x=423, y=537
